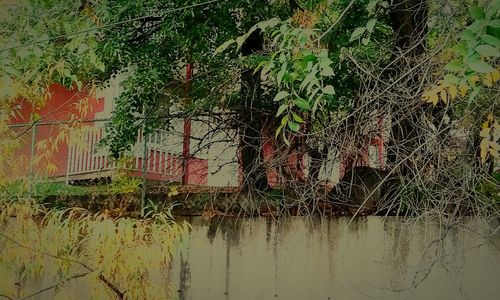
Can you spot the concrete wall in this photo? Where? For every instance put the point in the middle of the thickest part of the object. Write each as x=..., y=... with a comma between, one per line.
x=301, y=259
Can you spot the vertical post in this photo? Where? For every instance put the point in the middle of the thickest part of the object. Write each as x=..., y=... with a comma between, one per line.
x=381, y=141
x=32, y=157
x=68, y=162
x=187, y=131
x=144, y=161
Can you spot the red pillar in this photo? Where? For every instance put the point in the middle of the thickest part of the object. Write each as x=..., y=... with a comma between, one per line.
x=187, y=132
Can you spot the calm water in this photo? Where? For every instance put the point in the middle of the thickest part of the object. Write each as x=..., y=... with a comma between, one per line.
x=373, y=258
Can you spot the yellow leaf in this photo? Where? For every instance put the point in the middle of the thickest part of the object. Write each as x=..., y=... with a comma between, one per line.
x=485, y=132
x=452, y=90
x=444, y=96
x=494, y=153
x=463, y=90
x=427, y=94
x=434, y=99
x=490, y=117
x=488, y=80
x=474, y=79
x=495, y=75
x=173, y=191
x=484, y=149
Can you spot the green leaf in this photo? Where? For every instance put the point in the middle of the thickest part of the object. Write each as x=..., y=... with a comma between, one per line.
x=454, y=65
x=281, y=109
x=282, y=57
x=477, y=13
x=284, y=120
x=287, y=142
x=323, y=53
x=282, y=72
x=481, y=67
x=259, y=66
x=279, y=130
x=267, y=68
x=325, y=62
x=276, y=37
x=329, y=90
x=314, y=92
x=297, y=118
x=100, y=66
x=302, y=103
x=494, y=23
x=268, y=23
x=74, y=78
x=223, y=47
x=461, y=48
x=327, y=71
x=241, y=39
x=310, y=57
x=371, y=25
x=476, y=26
x=311, y=77
x=303, y=40
x=371, y=5
x=473, y=95
x=280, y=75
x=491, y=40
x=357, y=33
x=468, y=35
x=451, y=78
x=293, y=126
x=487, y=50
x=317, y=102
x=281, y=95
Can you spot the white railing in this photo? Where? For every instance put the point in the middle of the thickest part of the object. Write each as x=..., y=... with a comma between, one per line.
x=86, y=156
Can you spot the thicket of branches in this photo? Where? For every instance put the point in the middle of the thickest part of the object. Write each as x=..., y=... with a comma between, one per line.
x=320, y=79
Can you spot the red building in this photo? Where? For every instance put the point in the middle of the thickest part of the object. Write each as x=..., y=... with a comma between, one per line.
x=67, y=132
x=70, y=125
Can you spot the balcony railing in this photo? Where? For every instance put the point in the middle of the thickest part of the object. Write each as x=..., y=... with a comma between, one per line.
x=88, y=159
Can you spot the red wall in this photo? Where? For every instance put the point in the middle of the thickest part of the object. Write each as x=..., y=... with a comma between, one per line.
x=61, y=105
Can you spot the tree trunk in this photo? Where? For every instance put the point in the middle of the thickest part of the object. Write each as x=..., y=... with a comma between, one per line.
x=252, y=162
x=409, y=22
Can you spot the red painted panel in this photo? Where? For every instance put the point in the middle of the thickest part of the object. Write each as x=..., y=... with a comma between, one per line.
x=268, y=150
x=198, y=171
x=61, y=105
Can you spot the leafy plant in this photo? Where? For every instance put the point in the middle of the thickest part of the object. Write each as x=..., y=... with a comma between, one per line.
x=298, y=67
x=122, y=182
x=477, y=55
x=490, y=139
x=113, y=258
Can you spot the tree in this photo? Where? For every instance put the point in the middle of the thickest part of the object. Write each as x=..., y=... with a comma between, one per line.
x=317, y=74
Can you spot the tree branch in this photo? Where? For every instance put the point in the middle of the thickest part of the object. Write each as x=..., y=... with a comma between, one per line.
x=101, y=277
x=79, y=275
